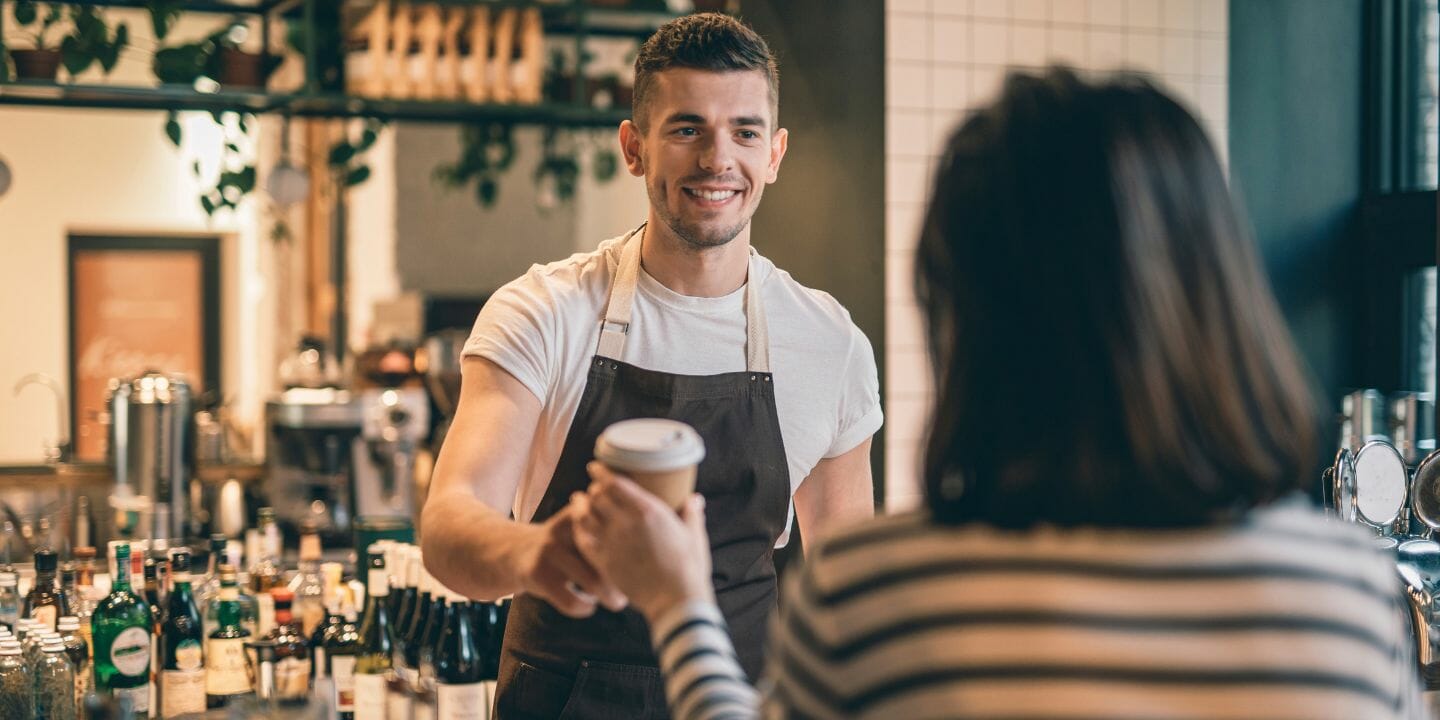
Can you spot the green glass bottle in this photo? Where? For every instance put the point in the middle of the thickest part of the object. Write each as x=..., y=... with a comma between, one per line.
x=226, y=676
x=120, y=629
x=377, y=647
x=182, y=652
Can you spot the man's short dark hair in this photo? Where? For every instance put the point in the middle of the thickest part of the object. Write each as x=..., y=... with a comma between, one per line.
x=706, y=41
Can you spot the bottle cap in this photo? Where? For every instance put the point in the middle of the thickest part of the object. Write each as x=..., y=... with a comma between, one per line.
x=45, y=561
x=8, y=579
x=310, y=547
x=54, y=647
x=68, y=623
x=9, y=650
x=84, y=552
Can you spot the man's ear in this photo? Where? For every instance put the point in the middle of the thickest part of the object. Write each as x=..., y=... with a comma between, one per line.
x=630, y=142
x=779, y=143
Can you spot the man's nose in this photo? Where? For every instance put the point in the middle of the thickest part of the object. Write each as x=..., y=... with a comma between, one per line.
x=718, y=155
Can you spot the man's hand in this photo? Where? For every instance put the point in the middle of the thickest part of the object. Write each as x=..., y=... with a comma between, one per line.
x=657, y=558
x=552, y=568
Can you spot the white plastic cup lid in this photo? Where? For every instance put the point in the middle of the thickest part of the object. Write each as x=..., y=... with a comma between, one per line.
x=649, y=445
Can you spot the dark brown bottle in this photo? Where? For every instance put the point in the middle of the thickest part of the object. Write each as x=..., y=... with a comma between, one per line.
x=43, y=602
x=292, y=651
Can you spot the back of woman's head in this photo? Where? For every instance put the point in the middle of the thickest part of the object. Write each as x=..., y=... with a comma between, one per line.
x=1105, y=345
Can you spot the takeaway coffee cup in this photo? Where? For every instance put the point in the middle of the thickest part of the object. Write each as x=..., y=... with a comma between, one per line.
x=659, y=455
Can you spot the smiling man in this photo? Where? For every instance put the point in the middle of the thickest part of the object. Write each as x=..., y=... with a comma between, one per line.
x=680, y=318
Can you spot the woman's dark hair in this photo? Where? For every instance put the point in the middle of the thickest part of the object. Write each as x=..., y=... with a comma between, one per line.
x=1105, y=346
x=705, y=41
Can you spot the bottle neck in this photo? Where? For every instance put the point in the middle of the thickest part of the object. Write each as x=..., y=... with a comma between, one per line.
x=122, y=574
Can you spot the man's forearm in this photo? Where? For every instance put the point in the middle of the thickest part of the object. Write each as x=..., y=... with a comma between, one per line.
x=471, y=548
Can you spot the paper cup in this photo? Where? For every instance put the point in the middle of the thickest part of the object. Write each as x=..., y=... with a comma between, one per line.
x=659, y=455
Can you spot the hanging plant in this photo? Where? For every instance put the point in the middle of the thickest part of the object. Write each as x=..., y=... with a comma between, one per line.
x=347, y=156
x=558, y=172
x=485, y=152
x=163, y=16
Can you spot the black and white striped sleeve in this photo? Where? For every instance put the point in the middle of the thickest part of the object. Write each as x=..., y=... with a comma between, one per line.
x=703, y=678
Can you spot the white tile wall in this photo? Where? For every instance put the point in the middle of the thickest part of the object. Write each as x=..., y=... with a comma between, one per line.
x=946, y=57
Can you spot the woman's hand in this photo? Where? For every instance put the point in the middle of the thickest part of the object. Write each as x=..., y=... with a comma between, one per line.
x=655, y=557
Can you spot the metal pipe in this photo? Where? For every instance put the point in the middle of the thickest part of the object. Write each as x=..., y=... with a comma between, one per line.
x=63, y=447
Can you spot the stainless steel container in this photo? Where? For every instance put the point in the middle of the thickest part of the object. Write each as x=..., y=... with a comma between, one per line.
x=152, y=448
x=1412, y=425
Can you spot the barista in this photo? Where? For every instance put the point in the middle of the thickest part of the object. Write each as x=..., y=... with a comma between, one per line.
x=679, y=318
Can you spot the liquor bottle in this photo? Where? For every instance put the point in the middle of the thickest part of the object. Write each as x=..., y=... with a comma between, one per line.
x=409, y=576
x=226, y=676
x=434, y=629
x=308, y=586
x=342, y=650
x=265, y=571
x=292, y=652
x=459, y=665
x=376, y=642
x=43, y=602
x=182, y=647
x=121, y=627
x=151, y=593
x=208, y=589
x=9, y=598
x=54, y=683
x=79, y=654
x=330, y=578
x=17, y=684
x=82, y=601
x=160, y=552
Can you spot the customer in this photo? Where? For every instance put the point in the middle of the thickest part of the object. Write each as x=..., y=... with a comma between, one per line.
x=1113, y=525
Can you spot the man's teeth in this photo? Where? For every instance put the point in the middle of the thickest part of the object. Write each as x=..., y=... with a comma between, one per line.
x=712, y=194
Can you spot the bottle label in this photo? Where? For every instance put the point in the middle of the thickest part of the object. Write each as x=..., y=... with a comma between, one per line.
x=225, y=672
x=292, y=678
x=139, y=698
x=398, y=703
x=342, y=668
x=189, y=656
x=130, y=653
x=182, y=692
x=369, y=696
x=46, y=614
x=265, y=616
x=462, y=702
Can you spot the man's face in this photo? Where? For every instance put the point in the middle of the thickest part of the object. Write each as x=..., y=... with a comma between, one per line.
x=708, y=149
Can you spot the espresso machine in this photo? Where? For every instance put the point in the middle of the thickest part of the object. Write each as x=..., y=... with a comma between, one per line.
x=152, y=456
x=336, y=455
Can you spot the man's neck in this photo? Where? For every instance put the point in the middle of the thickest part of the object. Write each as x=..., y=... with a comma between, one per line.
x=694, y=272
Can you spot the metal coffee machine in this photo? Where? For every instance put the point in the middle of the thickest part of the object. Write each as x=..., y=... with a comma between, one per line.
x=337, y=455
x=152, y=456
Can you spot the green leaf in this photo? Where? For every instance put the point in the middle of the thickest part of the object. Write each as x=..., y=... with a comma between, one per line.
x=24, y=12
x=207, y=204
x=232, y=147
x=357, y=176
x=486, y=191
x=246, y=180
x=172, y=131
x=244, y=124
x=74, y=55
x=341, y=153
x=605, y=165
x=218, y=116
x=196, y=167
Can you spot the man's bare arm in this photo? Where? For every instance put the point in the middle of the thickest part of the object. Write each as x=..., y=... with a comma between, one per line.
x=840, y=491
x=470, y=543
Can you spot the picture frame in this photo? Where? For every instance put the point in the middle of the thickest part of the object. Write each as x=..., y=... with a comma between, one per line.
x=138, y=303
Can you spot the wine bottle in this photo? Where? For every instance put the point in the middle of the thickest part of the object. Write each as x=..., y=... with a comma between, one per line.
x=459, y=666
x=292, y=653
x=120, y=629
x=377, y=647
x=330, y=581
x=182, y=647
x=226, y=677
x=309, y=586
x=342, y=649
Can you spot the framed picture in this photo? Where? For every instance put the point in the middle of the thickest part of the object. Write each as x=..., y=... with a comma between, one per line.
x=139, y=303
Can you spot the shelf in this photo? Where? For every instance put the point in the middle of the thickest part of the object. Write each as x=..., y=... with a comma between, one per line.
x=35, y=94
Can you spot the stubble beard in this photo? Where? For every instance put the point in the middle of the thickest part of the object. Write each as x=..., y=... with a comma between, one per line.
x=692, y=235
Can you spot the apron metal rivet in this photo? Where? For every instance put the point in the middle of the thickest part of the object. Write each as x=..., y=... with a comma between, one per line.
x=752, y=378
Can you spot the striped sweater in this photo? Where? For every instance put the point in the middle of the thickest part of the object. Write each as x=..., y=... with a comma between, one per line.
x=1286, y=615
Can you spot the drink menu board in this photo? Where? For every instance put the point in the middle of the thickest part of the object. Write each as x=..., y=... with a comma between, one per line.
x=132, y=310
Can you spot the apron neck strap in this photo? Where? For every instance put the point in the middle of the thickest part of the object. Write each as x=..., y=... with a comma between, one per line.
x=616, y=326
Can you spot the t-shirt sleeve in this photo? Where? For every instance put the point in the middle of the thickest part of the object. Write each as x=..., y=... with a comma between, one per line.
x=860, y=414
x=516, y=329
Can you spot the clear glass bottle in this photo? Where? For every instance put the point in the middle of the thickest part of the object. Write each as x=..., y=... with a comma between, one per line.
x=82, y=602
x=377, y=647
x=9, y=598
x=208, y=587
x=121, y=626
x=17, y=685
x=67, y=588
x=309, y=586
x=265, y=570
x=182, y=647
x=55, y=684
x=43, y=602
x=226, y=676
x=79, y=654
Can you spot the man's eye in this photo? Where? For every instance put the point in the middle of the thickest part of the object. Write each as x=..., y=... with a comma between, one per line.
x=687, y=131
x=749, y=134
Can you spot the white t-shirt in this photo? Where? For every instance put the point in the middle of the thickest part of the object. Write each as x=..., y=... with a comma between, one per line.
x=544, y=328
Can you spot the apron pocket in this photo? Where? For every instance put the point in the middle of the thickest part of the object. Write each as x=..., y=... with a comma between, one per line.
x=610, y=691
x=535, y=694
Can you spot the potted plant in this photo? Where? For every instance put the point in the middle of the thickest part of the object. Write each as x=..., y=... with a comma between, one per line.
x=234, y=67
x=92, y=42
x=42, y=61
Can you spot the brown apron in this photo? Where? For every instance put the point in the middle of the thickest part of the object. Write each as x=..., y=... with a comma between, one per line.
x=602, y=667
